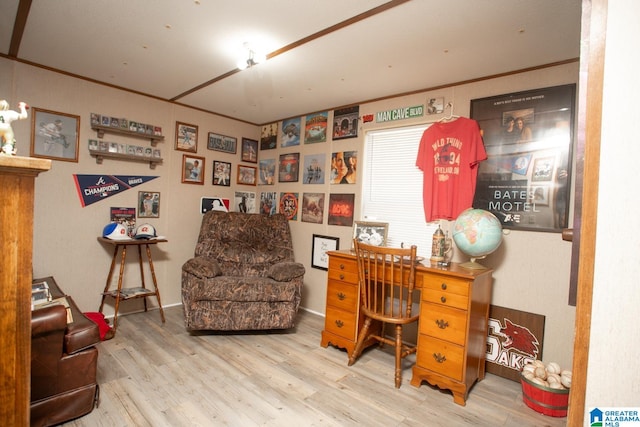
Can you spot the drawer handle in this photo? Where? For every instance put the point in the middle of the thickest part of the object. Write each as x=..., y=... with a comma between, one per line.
x=341, y=266
x=440, y=358
x=442, y=324
x=339, y=323
x=342, y=277
x=443, y=299
x=444, y=286
x=341, y=296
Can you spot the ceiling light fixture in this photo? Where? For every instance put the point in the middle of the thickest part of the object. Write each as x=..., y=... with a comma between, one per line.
x=253, y=59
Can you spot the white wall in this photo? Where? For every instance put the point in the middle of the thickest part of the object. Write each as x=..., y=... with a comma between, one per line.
x=531, y=268
x=612, y=377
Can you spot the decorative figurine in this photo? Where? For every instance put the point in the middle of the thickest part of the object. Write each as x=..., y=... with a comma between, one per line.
x=6, y=132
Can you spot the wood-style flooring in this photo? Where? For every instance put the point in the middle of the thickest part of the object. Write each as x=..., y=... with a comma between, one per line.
x=156, y=375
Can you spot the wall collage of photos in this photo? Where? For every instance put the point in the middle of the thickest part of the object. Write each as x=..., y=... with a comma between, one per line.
x=292, y=167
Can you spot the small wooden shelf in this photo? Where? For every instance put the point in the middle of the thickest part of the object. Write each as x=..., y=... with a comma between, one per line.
x=108, y=129
x=100, y=155
x=129, y=293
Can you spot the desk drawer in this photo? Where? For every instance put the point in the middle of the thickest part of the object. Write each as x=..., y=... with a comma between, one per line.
x=340, y=322
x=345, y=270
x=449, y=285
x=446, y=291
x=440, y=356
x=342, y=295
x=445, y=323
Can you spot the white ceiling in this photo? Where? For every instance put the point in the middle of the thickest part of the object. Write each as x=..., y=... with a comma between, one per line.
x=322, y=54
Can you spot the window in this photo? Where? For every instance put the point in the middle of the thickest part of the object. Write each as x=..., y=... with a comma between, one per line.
x=392, y=187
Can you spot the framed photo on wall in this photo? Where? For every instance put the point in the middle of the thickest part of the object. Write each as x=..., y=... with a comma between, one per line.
x=148, y=204
x=221, y=173
x=320, y=245
x=223, y=143
x=289, y=167
x=192, y=169
x=528, y=137
x=55, y=135
x=249, y=150
x=186, y=137
x=246, y=175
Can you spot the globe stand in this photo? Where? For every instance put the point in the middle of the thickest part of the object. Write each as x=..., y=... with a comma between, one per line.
x=473, y=265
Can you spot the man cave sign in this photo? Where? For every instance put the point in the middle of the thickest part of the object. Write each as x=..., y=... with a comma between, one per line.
x=514, y=338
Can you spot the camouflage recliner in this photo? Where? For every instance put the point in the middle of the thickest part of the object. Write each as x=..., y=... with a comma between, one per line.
x=243, y=275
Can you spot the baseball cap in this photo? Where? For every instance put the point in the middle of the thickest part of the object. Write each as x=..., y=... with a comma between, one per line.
x=115, y=231
x=145, y=231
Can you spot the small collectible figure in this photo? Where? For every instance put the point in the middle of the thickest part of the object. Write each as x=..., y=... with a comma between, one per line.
x=6, y=132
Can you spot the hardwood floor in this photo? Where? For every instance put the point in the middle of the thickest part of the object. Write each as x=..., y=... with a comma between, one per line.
x=159, y=375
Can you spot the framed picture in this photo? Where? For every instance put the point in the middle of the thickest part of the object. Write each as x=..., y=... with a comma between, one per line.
x=221, y=173
x=269, y=136
x=55, y=135
x=344, y=167
x=370, y=233
x=267, y=171
x=186, y=137
x=245, y=202
x=341, y=208
x=319, y=248
x=315, y=127
x=148, y=204
x=290, y=132
x=312, y=207
x=246, y=175
x=192, y=169
x=249, y=150
x=226, y=144
x=289, y=205
x=313, y=172
x=345, y=123
x=289, y=167
x=528, y=137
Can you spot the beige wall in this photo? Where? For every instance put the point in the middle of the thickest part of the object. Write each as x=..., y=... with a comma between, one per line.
x=531, y=268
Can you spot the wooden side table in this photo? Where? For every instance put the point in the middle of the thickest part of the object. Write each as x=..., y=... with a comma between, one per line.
x=121, y=293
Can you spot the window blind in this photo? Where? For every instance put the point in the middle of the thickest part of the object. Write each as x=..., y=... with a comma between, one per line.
x=392, y=187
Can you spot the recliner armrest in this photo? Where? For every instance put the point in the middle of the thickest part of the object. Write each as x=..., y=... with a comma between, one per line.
x=203, y=268
x=286, y=271
x=48, y=319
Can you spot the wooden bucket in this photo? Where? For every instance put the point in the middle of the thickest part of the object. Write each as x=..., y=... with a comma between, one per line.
x=545, y=400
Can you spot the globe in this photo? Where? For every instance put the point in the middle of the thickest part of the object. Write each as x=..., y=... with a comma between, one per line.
x=477, y=233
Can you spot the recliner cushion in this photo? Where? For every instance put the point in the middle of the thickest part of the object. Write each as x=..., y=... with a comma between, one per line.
x=247, y=289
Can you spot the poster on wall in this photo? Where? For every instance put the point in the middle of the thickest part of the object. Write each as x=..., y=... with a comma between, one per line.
x=528, y=137
x=345, y=123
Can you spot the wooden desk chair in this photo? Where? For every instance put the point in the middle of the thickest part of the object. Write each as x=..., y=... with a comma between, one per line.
x=386, y=278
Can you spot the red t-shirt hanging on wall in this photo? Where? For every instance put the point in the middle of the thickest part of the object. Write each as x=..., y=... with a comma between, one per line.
x=448, y=156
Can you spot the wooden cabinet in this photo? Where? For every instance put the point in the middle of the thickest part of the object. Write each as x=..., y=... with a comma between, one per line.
x=454, y=314
x=452, y=331
x=17, y=181
x=343, y=319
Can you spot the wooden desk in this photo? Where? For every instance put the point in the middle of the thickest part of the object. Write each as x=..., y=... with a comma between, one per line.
x=454, y=315
x=120, y=294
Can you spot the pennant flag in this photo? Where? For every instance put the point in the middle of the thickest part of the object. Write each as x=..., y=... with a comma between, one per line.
x=93, y=188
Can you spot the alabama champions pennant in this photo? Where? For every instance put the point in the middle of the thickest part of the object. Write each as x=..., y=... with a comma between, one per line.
x=93, y=188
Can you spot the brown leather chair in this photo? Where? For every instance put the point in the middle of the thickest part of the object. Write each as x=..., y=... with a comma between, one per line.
x=64, y=362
